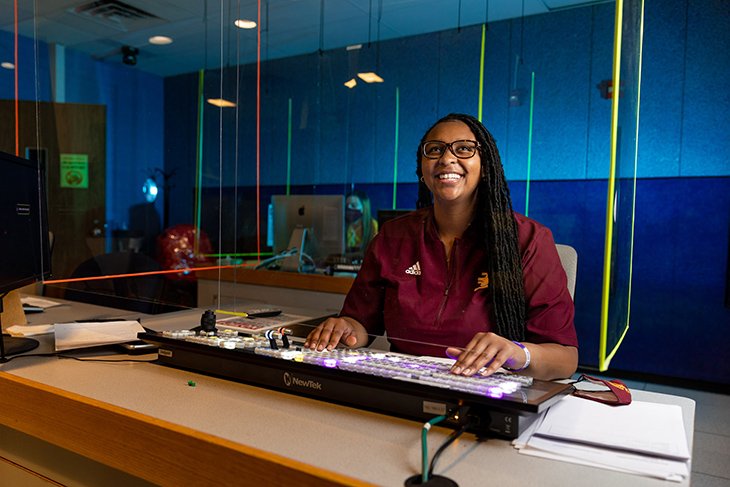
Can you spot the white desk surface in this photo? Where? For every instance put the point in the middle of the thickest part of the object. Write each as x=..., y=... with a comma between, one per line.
x=369, y=447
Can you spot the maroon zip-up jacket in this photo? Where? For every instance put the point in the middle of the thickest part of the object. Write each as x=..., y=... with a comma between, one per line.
x=406, y=289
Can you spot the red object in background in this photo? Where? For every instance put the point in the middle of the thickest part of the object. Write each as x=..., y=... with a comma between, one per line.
x=176, y=249
x=606, y=89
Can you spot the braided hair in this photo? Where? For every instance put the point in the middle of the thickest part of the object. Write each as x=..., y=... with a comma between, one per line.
x=495, y=217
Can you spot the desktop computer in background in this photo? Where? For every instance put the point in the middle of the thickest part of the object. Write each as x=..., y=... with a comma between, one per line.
x=306, y=229
x=386, y=214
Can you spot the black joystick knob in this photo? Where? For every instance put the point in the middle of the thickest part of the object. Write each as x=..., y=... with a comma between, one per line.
x=207, y=321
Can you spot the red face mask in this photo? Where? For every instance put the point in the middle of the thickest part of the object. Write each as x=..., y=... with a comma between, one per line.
x=352, y=215
x=614, y=391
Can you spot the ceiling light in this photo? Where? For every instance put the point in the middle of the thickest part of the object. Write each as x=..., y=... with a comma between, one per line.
x=370, y=77
x=160, y=40
x=7, y=65
x=353, y=47
x=245, y=24
x=220, y=102
x=351, y=84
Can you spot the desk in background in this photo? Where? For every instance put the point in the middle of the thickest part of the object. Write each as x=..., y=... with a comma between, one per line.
x=147, y=422
x=326, y=293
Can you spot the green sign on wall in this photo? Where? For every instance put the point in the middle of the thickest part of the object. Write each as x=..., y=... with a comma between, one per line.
x=75, y=171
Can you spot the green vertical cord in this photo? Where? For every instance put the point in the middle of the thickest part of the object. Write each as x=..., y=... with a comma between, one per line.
x=424, y=445
x=395, y=156
x=199, y=155
x=288, y=151
x=481, y=72
x=529, y=145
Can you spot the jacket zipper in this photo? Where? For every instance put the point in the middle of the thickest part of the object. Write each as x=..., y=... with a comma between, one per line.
x=450, y=266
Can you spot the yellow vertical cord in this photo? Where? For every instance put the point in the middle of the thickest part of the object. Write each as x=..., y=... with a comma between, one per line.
x=603, y=360
x=633, y=203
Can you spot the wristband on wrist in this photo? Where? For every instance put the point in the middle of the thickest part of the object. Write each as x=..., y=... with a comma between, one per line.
x=527, y=358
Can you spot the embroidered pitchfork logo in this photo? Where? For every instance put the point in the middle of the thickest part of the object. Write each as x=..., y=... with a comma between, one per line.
x=482, y=282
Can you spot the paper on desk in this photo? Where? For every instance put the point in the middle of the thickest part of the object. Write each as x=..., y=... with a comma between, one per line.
x=642, y=427
x=29, y=330
x=573, y=411
x=81, y=335
x=39, y=302
x=621, y=461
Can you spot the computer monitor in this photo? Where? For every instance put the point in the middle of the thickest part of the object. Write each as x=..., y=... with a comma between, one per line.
x=314, y=225
x=388, y=214
x=24, y=240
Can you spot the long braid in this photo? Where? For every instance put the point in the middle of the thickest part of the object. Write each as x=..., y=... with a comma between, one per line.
x=494, y=211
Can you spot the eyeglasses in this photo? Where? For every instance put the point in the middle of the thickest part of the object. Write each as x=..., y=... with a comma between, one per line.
x=463, y=149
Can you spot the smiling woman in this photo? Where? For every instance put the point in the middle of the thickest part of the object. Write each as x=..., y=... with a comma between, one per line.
x=463, y=275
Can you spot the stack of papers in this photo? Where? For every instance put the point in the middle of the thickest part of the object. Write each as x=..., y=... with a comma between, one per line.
x=39, y=302
x=641, y=438
x=81, y=335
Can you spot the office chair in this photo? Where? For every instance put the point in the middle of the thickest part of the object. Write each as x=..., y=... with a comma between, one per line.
x=569, y=259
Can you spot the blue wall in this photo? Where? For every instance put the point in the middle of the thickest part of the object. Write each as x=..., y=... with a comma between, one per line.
x=27, y=86
x=346, y=137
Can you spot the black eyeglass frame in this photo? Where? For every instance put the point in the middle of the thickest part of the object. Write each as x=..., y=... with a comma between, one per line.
x=449, y=146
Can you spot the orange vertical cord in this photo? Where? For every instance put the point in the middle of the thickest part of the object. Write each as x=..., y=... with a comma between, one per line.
x=17, y=108
x=258, y=135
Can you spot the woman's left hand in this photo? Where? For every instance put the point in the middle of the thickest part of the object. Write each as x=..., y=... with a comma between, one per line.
x=487, y=350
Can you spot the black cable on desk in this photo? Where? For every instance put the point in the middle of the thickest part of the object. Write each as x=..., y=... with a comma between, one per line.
x=60, y=355
x=452, y=437
x=103, y=360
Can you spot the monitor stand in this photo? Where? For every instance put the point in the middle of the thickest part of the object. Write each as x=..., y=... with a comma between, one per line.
x=13, y=345
x=298, y=240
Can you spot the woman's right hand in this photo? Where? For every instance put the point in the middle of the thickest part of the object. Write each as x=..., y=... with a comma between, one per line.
x=335, y=330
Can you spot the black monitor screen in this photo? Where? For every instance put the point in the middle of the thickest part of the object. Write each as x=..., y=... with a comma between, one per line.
x=24, y=240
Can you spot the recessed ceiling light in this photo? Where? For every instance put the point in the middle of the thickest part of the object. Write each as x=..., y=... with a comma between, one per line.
x=7, y=65
x=370, y=77
x=220, y=102
x=160, y=40
x=245, y=24
x=351, y=84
